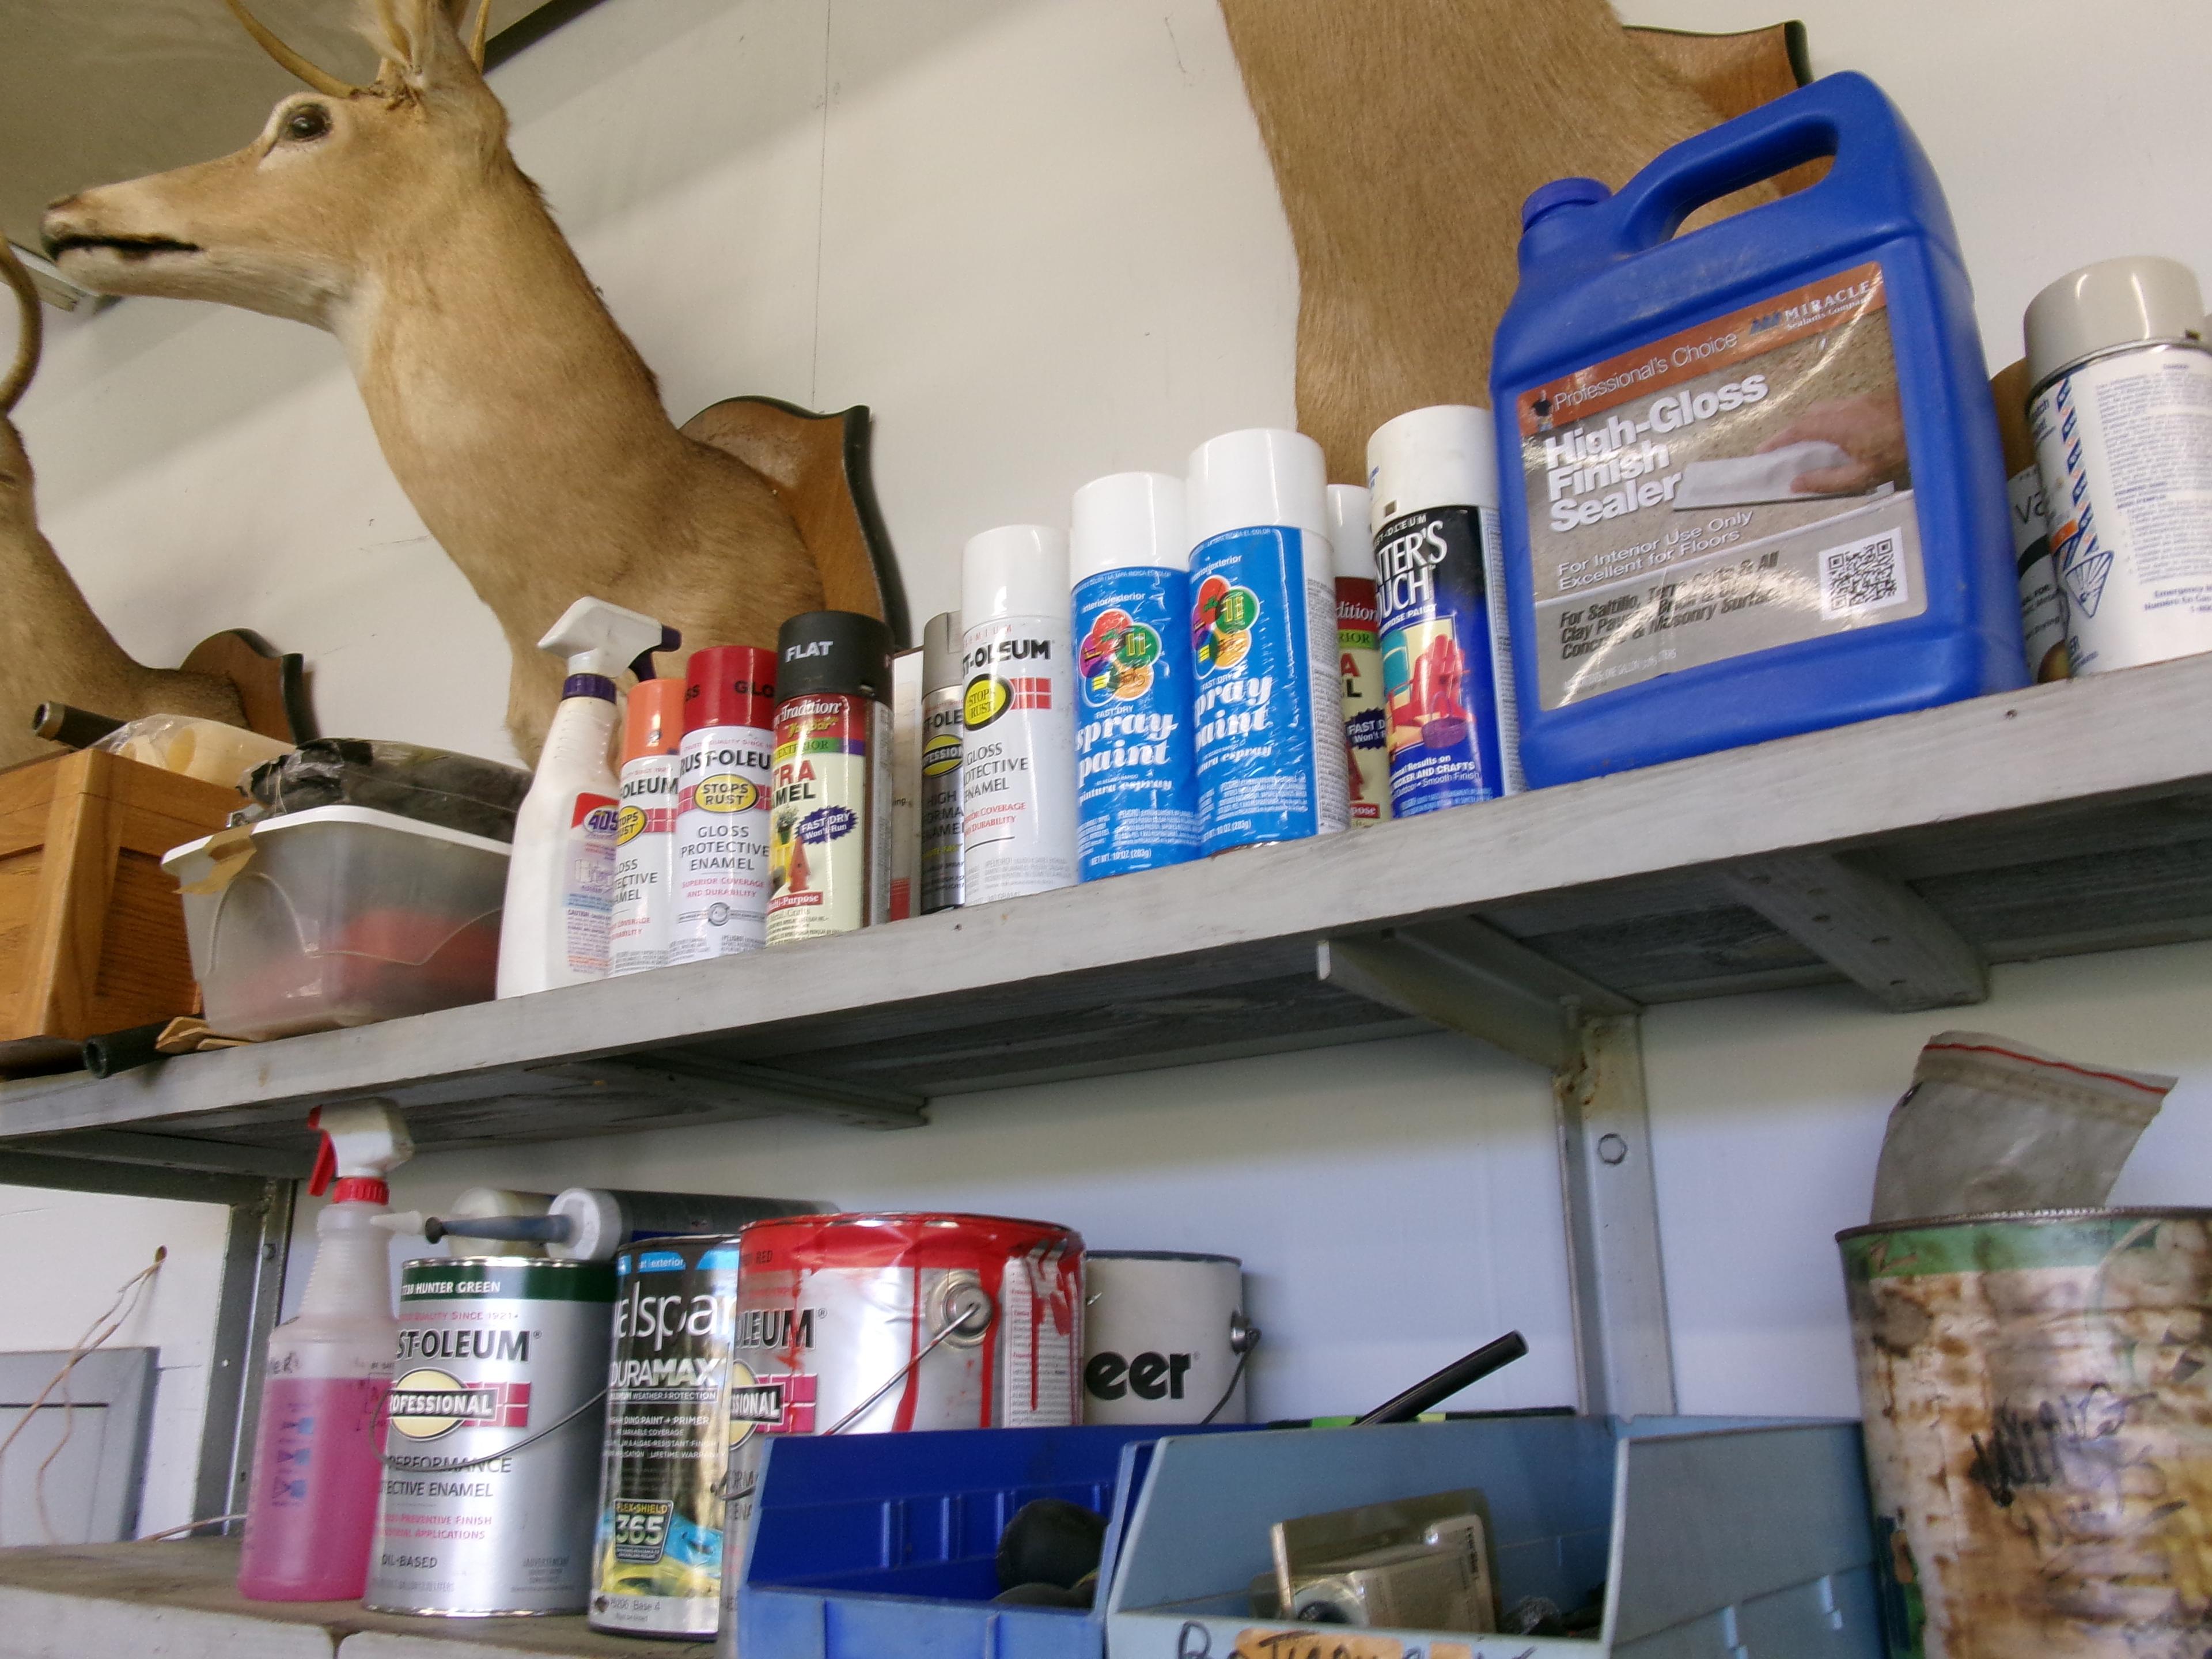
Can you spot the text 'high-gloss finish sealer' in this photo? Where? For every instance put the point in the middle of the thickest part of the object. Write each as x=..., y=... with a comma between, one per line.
x=1359, y=658
x=942, y=681
x=721, y=804
x=1440, y=593
x=1017, y=766
x=645, y=828
x=1266, y=697
x=1136, y=790
x=829, y=814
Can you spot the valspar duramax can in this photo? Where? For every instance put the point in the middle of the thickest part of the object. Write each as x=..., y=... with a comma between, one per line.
x=1018, y=767
x=1440, y=588
x=1264, y=695
x=941, y=731
x=721, y=804
x=830, y=830
x=1359, y=657
x=658, y=1565
x=2123, y=381
x=858, y=1324
x=491, y=1457
x=1136, y=798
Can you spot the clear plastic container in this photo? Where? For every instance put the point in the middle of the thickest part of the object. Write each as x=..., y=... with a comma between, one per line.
x=339, y=916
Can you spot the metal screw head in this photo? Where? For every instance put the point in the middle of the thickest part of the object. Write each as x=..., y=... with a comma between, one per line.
x=1612, y=1149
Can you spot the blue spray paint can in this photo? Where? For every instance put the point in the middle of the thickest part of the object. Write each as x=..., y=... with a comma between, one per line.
x=1264, y=695
x=1440, y=593
x=1136, y=790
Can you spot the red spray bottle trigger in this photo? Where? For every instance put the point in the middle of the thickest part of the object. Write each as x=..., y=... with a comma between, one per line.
x=375, y=1139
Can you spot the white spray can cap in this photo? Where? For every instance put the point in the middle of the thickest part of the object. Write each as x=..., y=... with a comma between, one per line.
x=1443, y=456
x=940, y=652
x=1261, y=476
x=601, y=638
x=1128, y=520
x=1349, y=537
x=2114, y=302
x=1015, y=570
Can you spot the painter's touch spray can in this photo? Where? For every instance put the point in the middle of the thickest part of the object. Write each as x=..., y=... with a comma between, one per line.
x=645, y=828
x=1136, y=789
x=492, y=1451
x=1440, y=591
x=942, y=680
x=829, y=813
x=721, y=804
x=1266, y=703
x=1359, y=657
x=1018, y=764
x=2122, y=382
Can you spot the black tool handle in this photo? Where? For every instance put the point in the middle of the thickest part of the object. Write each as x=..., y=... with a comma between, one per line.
x=120, y=1051
x=79, y=728
x=1434, y=1390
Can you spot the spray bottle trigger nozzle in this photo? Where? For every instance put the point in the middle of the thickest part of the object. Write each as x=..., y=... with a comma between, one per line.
x=326, y=1164
x=670, y=640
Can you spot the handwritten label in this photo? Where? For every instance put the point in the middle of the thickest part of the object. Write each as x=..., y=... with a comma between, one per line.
x=1261, y=1644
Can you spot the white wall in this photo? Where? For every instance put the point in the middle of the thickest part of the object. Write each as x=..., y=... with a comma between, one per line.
x=1041, y=239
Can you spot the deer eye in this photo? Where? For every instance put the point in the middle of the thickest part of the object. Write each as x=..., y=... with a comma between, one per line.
x=305, y=124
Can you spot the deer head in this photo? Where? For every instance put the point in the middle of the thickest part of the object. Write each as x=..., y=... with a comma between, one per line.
x=294, y=224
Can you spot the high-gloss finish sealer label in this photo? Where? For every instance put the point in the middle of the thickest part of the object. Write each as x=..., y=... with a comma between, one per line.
x=722, y=842
x=1263, y=647
x=1136, y=795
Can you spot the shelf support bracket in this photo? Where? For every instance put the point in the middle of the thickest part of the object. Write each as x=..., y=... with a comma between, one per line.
x=1867, y=925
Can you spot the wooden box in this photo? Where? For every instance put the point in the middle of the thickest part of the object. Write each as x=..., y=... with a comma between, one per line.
x=92, y=933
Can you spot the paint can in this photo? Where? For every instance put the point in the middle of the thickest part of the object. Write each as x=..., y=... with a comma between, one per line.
x=2037, y=1389
x=2042, y=611
x=1440, y=591
x=1266, y=703
x=645, y=828
x=491, y=1452
x=829, y=811
x=941, y=730
x=1164, y=1337
x=861, y=1324
x=2122, y=377
x=658, y=1562
x=1136, y=796
x=1018, y=764
x=1359, y=658
x=721, y=804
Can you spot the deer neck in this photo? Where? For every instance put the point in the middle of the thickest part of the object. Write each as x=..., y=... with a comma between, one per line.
x=496, y=380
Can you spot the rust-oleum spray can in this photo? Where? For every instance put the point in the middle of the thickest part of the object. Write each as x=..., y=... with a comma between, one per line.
x=1018, y=777
x=645, y=830
x=721, y=804
x=941, y=682
x=829, y=812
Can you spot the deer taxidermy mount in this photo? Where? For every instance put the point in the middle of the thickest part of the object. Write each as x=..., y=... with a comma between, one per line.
x=52, y=648
x=1405, y=134
x=517, y=417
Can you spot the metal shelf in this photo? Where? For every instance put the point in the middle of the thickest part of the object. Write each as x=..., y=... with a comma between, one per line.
x=1904, y=854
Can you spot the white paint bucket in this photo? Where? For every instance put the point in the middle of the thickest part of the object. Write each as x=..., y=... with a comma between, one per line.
x=1164, y=1337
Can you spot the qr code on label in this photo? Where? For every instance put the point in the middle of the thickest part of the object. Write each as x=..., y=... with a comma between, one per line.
x=1861, y=576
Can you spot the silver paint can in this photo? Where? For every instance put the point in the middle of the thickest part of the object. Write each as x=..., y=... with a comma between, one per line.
x=492, y=1451
x=1164, y=1337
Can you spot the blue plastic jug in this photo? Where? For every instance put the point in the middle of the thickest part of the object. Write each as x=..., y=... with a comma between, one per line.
x=1750, y=477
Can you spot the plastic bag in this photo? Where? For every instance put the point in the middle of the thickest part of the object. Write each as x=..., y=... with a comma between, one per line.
x=431, y=786
x=1992, y=1125
x=207, y=750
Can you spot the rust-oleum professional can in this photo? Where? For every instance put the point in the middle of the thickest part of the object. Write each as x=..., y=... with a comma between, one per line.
x=491, y=1456
x=942, y=723
x=829, y=813
x=858, y=1324
x=658, y=1566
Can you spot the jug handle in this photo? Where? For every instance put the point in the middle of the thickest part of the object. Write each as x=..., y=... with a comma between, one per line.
x=1799, y=126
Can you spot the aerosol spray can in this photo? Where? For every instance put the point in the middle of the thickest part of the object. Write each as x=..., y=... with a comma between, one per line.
x=1018, y=764
x=1136, y=790
x=1267, y=704
x=1440, y=589
x=829, y=813
x=2122, y=378
x=941, y=681
x=906, y=782
x=721, y=804
x=2042, y=611
x=1360, y=658
x=645, y=830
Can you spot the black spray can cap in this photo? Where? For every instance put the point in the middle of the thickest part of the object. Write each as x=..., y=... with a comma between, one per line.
x=836, y=651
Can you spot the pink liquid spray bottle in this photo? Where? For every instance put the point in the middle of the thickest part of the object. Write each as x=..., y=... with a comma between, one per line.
x=318, y=1455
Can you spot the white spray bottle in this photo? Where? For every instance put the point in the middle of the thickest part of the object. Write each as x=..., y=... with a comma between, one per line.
x=560, y=876
x=318, y=1449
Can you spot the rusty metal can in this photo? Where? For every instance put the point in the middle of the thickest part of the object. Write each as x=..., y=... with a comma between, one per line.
x=2038, y=1395
x=863, y=1324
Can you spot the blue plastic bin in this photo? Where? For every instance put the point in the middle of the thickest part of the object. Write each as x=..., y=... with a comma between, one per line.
x=885, y=1546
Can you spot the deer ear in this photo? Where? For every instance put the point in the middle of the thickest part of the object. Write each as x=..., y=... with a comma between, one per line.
x=429, y=33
